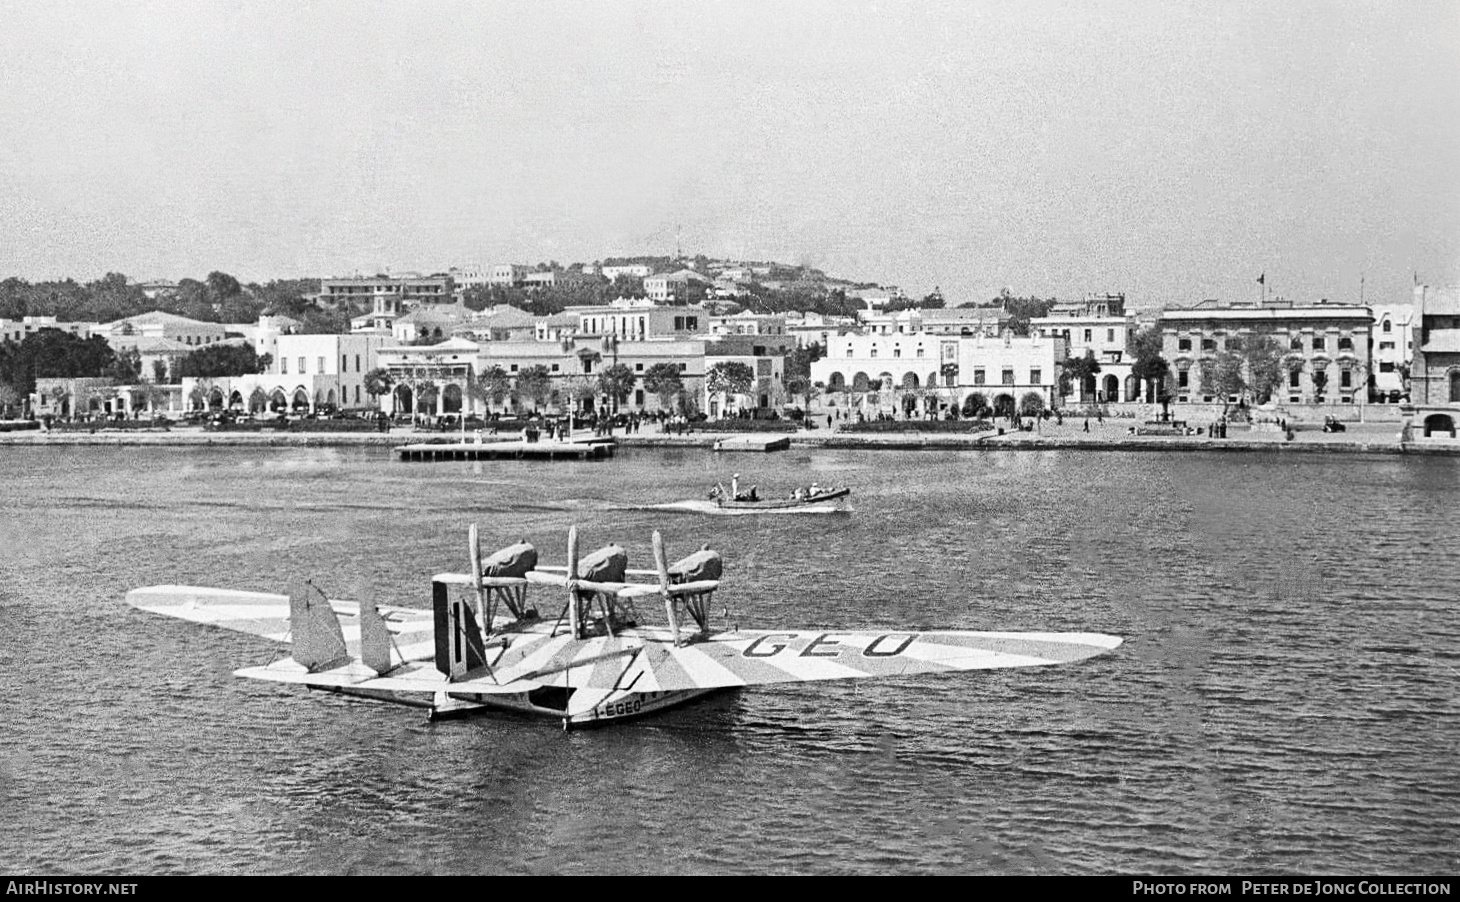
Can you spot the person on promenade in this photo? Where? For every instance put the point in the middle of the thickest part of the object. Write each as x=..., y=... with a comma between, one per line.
x=1087, y=424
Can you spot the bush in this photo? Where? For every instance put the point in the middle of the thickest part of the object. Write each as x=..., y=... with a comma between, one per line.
x=736, y=424
x=941, y=426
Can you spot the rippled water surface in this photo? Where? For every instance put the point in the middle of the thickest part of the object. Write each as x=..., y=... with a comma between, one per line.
x=1287, y=700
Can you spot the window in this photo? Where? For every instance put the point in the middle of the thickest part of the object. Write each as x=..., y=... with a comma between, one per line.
x=555, y=367
x=1183, y=344
x=1386, y=345
x=897, y=352
x=1386, y=366
x=1183, y=378
x=638, y=367
x=1293, y=377
x=1295, y=345
x=1387, y=327
x=1345, y=379
x=1035, y=376
x=692, y=323
x=1208, y=344
x=301, y=366
x=683, y=367
x=1318, y=343
x=344, y=364
x=284, y=366
x=357, y=394
x=920, y=352
x=357, y=363
x=1008, y=376
x=1345, y=344
x=321, y=365
x=874, y=352
x=1110, y=336
x=513, y=369
x=1087, y=336
x=978, y=375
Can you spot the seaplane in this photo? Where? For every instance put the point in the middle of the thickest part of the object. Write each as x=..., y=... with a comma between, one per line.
x=485, y=644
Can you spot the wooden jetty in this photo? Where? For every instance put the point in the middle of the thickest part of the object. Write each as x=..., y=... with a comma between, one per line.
x=596, y=448
x=754, y=443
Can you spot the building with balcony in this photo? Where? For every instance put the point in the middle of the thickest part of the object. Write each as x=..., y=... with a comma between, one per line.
x=1098, y=327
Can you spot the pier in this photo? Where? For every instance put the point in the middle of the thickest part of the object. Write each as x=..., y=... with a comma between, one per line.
x=572, y=449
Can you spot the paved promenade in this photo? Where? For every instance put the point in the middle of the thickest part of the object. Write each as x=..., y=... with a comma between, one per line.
x=1113, y=434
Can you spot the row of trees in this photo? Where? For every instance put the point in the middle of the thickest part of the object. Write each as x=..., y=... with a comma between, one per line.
x=219, y=298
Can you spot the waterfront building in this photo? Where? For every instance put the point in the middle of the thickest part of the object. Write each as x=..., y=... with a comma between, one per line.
x=1325, y=347
x=817, y=329
x=924, y=373
x=1099, y=327
x=438, y=379
x=1392, y=339
x=1435, y=376
x=311, y=373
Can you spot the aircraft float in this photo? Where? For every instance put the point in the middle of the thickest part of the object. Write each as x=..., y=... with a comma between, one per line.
x=484, y=645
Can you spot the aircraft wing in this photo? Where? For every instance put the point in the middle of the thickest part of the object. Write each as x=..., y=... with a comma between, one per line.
x=267, y=615
x=647, y=661
x=749, y=658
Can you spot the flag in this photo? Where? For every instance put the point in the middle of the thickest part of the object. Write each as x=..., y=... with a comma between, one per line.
x=1262, y=279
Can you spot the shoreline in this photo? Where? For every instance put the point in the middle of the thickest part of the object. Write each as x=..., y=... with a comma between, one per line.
x=1101, y=440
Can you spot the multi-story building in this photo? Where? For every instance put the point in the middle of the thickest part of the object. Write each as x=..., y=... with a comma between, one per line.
x=1392, y=338
x=311, y=372
x=507, y=275
x=747, y=323
x=926, y=373
x=1097, y=327
x=17, y=330
x=1435, y=376
x=682, y=287
x=639, y=320
x=157, y=324
x=633, y=270
x=397, y=293
x=1325, y=348
x=437, y=379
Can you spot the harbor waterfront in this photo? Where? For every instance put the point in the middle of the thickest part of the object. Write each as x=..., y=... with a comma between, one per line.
x=1285, y=702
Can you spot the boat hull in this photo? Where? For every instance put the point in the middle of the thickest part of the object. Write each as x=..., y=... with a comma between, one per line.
x=782, y=504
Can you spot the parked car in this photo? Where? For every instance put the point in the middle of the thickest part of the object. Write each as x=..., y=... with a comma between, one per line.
x=1332, y=425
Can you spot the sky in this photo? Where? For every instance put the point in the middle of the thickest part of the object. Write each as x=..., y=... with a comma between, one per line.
x=1173, y=151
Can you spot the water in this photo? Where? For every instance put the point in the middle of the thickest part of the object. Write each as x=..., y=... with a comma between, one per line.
x=1285, y=703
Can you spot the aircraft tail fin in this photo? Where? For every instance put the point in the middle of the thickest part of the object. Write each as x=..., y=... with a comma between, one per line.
x=319, y=643
x=459, y=648
x=374, y=638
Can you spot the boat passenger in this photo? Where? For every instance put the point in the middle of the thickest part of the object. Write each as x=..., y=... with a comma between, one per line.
x=814, y=490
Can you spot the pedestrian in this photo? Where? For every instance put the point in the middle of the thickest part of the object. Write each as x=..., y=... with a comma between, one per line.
x=1087, y=424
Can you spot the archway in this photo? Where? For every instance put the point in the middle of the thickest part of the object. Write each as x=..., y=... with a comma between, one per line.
x=235, y=400
x=301, y=400
x=909, y=380
x=215, y=399
x=1455, y=386
x=836, y=382
x=1112, y=388
x=278, y=401
x=451, y=399
x=1004, y=405
x=860, y=382
x=402, y=399
x=1439, y=423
